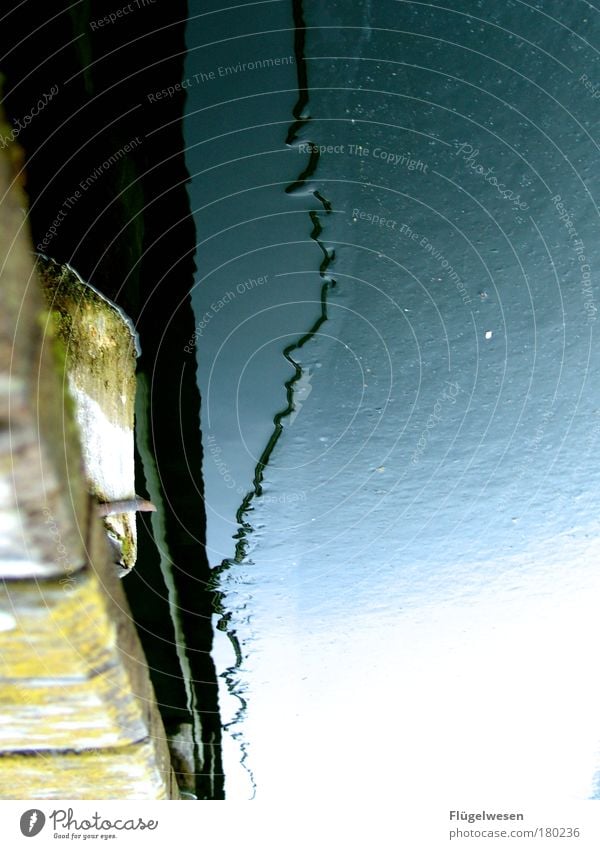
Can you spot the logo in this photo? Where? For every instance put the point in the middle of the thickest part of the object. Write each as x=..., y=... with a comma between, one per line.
x=32, y=822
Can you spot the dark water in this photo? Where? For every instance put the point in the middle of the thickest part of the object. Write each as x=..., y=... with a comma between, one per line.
x=396, y=334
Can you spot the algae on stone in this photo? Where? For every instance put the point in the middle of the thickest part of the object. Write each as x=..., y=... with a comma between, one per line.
x=99, y=363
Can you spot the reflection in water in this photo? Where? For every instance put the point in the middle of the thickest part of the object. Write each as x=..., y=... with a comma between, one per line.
x=297, y=389
x=413, y=567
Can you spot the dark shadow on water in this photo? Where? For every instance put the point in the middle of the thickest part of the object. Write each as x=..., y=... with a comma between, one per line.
x=296, y=131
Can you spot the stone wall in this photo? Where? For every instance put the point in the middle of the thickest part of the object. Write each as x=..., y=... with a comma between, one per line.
x=78, y=716
x=106, y=176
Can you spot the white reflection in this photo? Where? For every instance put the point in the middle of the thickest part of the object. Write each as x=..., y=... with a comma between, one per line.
x=480, y=690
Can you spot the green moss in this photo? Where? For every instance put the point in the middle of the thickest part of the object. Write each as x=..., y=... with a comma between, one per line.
x=99, y=349
x=49, y=322
x=126, y=542
x=128, y=550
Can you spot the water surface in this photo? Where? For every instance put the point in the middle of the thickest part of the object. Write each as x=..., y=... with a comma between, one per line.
x=410, y=569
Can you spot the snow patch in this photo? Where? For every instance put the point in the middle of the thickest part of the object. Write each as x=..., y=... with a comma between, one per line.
x=108, y=449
